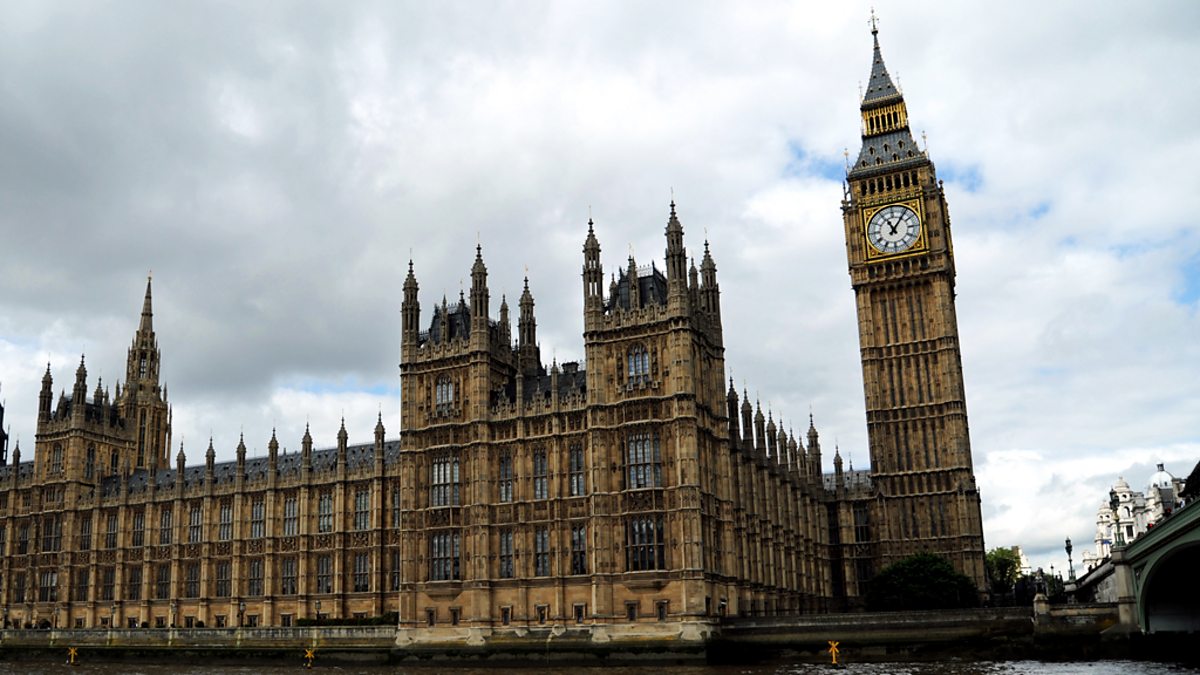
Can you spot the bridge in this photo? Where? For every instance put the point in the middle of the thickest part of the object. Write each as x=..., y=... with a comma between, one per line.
x=1158, y=576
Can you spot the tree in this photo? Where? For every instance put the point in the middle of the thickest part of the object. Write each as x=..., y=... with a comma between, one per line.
x=922, y=581
x=1003, y=569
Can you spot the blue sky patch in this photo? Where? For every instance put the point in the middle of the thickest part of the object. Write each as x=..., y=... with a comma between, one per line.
x=966, y=177
x=1039, y=210
x=1189, y=291
x=803, y=163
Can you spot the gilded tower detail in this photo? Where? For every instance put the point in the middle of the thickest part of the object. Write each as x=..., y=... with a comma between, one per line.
x=901, y=262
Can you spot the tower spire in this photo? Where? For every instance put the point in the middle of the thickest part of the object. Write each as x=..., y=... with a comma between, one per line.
x=147, y=323
x=880, y=85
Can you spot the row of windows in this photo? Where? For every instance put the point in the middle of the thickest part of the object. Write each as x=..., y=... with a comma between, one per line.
x=643, y=461
x=51, y=526
x=644, y=550
x=191, y=587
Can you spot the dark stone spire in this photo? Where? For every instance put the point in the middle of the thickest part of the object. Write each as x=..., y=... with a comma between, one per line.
x=731, y=401
x=880, y=87
x=479, y=291
x=410, y=311
x=593, y=272
x=147, y=323
x=676, y=254
x=79, y=394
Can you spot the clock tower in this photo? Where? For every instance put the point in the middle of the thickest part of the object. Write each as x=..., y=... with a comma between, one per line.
x=901, y=262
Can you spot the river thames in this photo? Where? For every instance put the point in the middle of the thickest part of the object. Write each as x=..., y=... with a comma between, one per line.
x=941, y=668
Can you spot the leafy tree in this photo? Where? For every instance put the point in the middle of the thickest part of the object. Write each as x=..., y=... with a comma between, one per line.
x=1003, y=569
x=922, y=581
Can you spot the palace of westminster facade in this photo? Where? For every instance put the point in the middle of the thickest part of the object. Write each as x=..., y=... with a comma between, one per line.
x=641, y=489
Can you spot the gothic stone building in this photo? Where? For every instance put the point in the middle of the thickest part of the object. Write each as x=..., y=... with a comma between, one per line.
x=637, y=494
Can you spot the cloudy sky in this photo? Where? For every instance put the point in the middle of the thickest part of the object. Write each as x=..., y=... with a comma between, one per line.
x=276, y=164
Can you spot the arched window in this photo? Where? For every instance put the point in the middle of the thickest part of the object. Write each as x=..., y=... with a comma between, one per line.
x=638, y=362
x=113, y=463
x=89, y=465
x=443, y=481
x=505, y=480
x=643, y=461
x=444, y=393
x=541, y=475
x=56, y=459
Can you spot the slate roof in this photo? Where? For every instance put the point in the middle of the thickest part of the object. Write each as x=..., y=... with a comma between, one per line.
x=287, y=466
x=651, y=285
x=886, y=152
x=880, y=89
x=853, y=479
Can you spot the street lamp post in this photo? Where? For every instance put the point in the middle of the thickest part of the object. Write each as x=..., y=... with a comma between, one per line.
x=318, y=610
x=1114, y=502
x=174, y=613
x=1070, y=563
x=241, y=613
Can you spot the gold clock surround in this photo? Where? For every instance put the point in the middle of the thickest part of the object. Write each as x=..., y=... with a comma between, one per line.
x=920, y=246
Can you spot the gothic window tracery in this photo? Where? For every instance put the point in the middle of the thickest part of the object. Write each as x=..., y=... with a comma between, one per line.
x=443, y=481
x=443, y=556
x=638, y=366
x=444, y=393
x=505, y=479
x=644, y=548
x=643, y=460
x=541, y=475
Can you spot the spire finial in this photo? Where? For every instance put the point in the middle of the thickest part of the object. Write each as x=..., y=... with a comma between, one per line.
x=874, y=23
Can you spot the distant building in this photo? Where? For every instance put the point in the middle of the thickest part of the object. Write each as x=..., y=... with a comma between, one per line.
x=1127, y=513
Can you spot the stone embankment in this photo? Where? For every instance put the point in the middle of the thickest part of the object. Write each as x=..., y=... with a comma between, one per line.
x=1072, y=631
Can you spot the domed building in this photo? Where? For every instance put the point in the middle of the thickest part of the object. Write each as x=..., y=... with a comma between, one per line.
x=1128, y=513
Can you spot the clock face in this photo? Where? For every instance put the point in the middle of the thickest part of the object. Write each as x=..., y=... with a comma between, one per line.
x=893, y=229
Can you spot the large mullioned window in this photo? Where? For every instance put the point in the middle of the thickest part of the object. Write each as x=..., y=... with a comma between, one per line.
x=195, y=518
x=504, y=480
x=225, y=527
x=444, y=393
x=287, y=575
x=362, y=509
x=576, y=479
x=443, y=481
x=325, y=512
x=506, y=554
x=443, y=556
x=291, y=516
x=644, y=548
x=638, y=362
x=643, y=460
x=541, y=475
x=362, y=573
x=541, y=552
x=579, y=549
x=258, y=518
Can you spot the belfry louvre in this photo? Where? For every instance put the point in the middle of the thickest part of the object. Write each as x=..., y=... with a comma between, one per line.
x=638, y=493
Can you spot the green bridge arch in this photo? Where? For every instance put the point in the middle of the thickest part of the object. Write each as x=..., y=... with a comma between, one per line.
x=1166, y=574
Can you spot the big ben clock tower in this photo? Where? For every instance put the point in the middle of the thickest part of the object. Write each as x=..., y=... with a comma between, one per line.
x=901, y=263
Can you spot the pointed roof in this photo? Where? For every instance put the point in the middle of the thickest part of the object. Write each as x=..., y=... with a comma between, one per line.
x=673, y=224
x=147, y=324
x=880, y=87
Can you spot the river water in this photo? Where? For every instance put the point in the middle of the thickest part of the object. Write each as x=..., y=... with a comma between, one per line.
x=942, y=668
